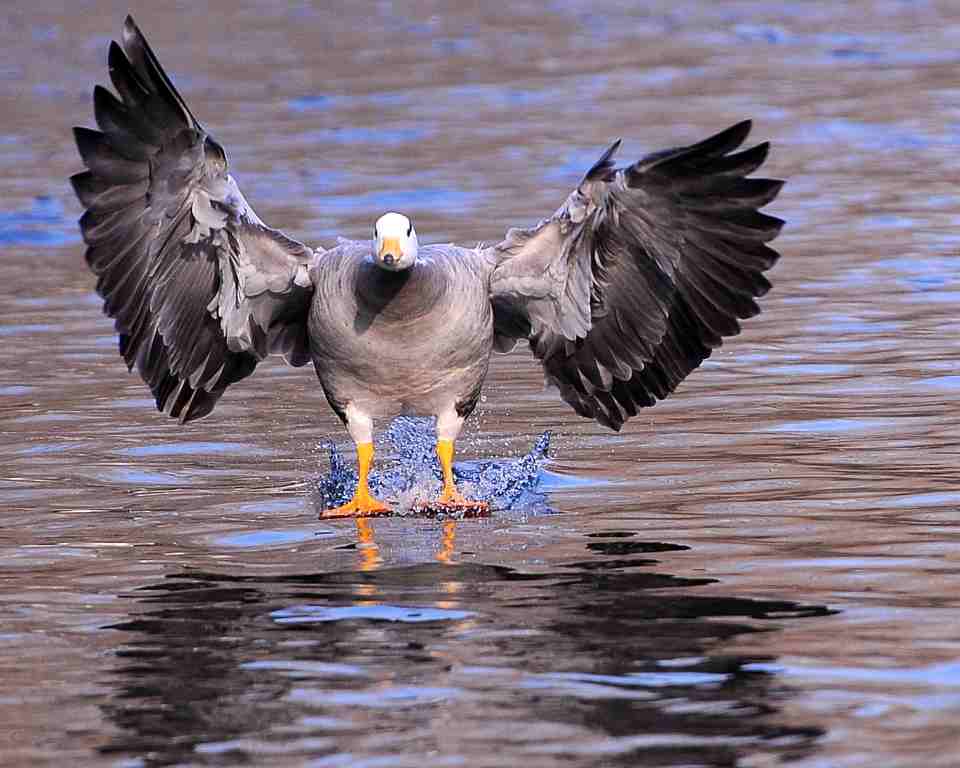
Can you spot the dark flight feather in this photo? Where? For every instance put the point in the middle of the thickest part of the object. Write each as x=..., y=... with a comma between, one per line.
x=640, y=274
x=200, y=288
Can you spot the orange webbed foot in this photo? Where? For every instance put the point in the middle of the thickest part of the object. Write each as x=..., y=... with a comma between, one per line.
x=451, y=503
x=358, y=507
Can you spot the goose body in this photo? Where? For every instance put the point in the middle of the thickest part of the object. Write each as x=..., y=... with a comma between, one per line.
x=416, y=341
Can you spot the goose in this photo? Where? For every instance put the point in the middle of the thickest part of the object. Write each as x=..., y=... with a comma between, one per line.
x=620, y=293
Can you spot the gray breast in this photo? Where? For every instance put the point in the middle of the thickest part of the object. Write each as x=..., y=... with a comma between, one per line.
x=415, y=340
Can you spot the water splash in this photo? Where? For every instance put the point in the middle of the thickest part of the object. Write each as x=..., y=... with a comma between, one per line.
x=409, y=473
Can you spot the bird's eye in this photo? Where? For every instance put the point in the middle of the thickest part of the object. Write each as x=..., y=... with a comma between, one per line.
x=409, y=229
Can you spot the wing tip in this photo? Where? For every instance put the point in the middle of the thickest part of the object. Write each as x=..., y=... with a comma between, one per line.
x=739, y=131
x=776, y=223
x=100, y=93
x=131, y=32
x=776, y=187
x=114, y=50
x=88, y=140
x=600, y=170
x=80, y=182
x=727, y=140
x=762, y=151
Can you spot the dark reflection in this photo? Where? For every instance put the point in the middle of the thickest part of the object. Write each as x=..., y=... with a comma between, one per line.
x=457, y=659
x=632, y=547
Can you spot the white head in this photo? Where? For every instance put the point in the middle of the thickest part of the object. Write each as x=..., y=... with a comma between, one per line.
x=395, y=242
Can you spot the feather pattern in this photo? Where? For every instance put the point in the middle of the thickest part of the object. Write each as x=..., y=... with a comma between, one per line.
x=200, y=288
x=640, y=274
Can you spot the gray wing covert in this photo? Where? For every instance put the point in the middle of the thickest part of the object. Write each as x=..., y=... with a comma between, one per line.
x=640, y=274
x=200, y=288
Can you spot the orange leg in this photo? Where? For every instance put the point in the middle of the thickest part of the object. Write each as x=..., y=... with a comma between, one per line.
x=363, y=504
x=450, y=497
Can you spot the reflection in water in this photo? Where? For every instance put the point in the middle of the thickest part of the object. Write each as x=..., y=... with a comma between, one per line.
x=369, y=551
x=617, y=661
x=448, y=543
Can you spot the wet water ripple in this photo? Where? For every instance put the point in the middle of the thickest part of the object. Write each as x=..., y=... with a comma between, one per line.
x=761, y=570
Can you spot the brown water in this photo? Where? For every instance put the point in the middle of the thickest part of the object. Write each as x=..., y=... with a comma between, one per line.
x=764, y=568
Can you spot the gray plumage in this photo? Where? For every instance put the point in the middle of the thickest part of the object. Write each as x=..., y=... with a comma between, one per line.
x=620, y=294
x=411, y=341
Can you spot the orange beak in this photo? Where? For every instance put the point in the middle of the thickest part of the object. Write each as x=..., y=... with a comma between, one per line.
x=390, y=245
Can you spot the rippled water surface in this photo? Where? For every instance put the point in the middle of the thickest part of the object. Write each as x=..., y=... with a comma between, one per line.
x=765, y=568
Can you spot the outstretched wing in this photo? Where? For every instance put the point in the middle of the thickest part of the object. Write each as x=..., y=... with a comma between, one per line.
x=633, y=282
x=200, y=288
